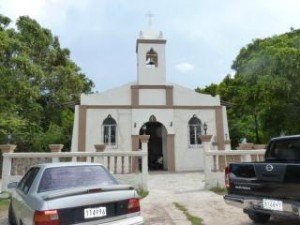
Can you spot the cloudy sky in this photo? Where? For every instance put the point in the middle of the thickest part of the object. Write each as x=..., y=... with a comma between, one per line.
x=203, y=36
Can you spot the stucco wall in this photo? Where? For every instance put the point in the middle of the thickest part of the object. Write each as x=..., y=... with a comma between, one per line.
x=94, y=134
x=117, y=96
x=152, y=97
x=130, y=121
x=141, y=116
x=187, y=97
x=189, y=158
x=156, y=75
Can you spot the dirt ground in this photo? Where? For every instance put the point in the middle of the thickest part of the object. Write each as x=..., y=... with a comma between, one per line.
x=3, y=218
x=187, y=189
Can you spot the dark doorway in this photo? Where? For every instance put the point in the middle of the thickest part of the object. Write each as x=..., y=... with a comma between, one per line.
x=157, y=145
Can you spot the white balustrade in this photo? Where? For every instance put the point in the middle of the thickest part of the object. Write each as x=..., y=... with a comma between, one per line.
x=216, y=161
x=119, y=163
x=123, y=164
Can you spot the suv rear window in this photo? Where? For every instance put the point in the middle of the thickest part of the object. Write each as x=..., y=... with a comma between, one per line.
x=74, y=176
x=284, y=150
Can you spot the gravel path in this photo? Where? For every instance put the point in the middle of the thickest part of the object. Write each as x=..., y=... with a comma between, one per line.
x=188, y=189
x=3, y=218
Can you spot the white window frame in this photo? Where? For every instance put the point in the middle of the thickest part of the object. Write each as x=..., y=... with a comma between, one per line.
x=195, y=134
x=109, y=127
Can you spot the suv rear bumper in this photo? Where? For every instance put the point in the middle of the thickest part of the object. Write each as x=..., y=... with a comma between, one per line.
x=250, y=204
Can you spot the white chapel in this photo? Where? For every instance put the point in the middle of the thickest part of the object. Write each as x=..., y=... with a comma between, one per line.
x=175, y=117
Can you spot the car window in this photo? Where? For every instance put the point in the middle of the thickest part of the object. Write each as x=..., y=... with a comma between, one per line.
x=74, y=176
x=27, y=180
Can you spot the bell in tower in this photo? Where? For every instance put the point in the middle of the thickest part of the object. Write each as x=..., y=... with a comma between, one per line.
x=151, y=59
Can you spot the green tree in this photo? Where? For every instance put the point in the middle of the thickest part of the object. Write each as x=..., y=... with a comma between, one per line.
x=264, y=92
x=269, y=70
x=210, y=89
x=39, y=86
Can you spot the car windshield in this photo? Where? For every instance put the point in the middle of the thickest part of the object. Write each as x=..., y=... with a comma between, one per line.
x=284, y=150
x=74, y=176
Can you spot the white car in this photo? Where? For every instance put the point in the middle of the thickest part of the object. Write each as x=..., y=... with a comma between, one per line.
x=72, y=193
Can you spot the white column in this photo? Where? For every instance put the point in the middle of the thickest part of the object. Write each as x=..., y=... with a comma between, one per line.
x=206, y=142
x=144, y=140
x=6, y=165
x=208, y=159
x=6, y=169
x=227, y=145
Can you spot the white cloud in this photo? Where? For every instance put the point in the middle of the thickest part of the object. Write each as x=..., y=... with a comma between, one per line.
x=204, y=36
x=53, y=13
x=15, y=8
x=185, y=67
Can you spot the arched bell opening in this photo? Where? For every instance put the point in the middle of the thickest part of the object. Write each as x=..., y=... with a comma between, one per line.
x=151, y=59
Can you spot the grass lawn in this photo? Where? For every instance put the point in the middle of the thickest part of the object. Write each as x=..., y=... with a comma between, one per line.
x=4, y=204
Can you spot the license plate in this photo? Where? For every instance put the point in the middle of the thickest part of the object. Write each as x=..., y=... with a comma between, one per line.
x=272, y=204
x=94, y=212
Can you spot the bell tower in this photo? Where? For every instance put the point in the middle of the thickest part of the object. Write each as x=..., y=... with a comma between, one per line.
x=151, y=63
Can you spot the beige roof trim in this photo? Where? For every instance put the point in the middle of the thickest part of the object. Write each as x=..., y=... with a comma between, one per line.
x=147, y=107
x=149, y=41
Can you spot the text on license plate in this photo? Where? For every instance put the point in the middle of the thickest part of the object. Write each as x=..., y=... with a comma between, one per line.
x=94, y=212
x=272, y=204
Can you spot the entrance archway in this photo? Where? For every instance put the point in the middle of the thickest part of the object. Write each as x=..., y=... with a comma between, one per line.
x=157, y=145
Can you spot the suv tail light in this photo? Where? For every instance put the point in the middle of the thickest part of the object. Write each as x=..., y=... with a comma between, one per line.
x=134, y=205
x=48, y=217
x=227, y=175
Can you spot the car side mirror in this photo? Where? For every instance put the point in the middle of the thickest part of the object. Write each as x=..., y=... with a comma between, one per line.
x=12, y=185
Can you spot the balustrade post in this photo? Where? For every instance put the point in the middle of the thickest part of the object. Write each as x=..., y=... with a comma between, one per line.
x=144, y=140
x=100, y=148
x=56, y=148
x=206, y=142
x=247, y=158
x=6, y=165
x=227, y=145
x=208, y=159
x=6, y=172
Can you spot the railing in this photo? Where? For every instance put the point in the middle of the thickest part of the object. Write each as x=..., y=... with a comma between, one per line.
x=123, y=164
x=216, y=161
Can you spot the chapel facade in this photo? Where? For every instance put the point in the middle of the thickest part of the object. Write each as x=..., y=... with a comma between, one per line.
x=175, y=117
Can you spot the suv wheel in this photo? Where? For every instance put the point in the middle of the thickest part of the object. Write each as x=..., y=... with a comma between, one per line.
x=259, y=217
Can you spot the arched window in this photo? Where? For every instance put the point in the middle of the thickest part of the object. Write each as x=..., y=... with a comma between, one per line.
x=109, y=131
x=195, y=131
x=151, y=58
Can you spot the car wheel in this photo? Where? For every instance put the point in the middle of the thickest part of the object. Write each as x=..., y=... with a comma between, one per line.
x=11, y=215
x=257, y=217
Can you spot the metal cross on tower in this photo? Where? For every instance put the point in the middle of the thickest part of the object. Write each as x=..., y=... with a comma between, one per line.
x=150, y=15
